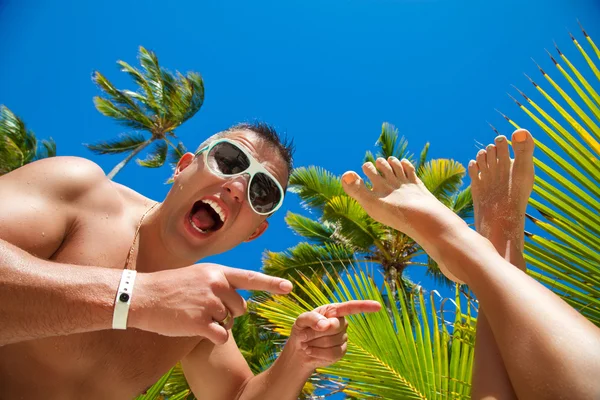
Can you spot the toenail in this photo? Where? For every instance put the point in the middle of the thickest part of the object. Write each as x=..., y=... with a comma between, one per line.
x=520, y=136
x=490, y=146
x=500, y=139
x=349, y=178
x=481, y=151
x=471, y=163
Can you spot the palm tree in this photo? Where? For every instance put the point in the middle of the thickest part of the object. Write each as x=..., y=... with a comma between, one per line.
x=565, y=255
x=19, y=146
x=343, y=233
x=391, y=355
x=161, y=104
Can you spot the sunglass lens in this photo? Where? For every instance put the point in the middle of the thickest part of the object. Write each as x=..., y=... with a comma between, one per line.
x=228, y=159
x=264, y=193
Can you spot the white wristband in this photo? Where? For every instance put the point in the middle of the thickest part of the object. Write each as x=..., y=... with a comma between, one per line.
x=123, y=299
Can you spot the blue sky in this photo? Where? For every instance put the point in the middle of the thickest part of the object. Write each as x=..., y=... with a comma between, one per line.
x=326, y=72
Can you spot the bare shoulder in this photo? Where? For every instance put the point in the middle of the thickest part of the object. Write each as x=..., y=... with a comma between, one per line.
x=65, y=175
x=53, y=193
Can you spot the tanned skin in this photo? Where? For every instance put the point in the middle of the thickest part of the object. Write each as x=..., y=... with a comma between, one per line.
x=65, y=232
x=532, y=344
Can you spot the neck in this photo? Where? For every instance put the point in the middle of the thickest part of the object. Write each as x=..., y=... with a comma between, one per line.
x=152, y=254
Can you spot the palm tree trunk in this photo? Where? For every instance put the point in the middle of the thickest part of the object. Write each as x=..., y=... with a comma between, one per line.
x=392, y=277
x=134, y=153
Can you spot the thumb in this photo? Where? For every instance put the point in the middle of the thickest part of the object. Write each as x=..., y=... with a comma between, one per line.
x=355, y=187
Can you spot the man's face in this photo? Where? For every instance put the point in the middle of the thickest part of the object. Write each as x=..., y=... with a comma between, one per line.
x=204, y=214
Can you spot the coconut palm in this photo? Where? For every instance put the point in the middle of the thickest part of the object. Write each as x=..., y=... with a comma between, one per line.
x=391, y=355
x=19, y=146
x=343, y=233
x=163, y=101
x=564, y=254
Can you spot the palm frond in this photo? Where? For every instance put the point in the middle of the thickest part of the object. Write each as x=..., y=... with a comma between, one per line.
x=443, y=178
x=353, y=223
x=565, y=256
x=48, y=149
x=163, y=101
x=125, y=143
x=176, y=153
x=423, y=157
x=316, y=232
x=462, y=204
x=389, y=144
x=390, y=355
x=315, y=186
x=306, y=258
x=157, y=156
x=18, y=145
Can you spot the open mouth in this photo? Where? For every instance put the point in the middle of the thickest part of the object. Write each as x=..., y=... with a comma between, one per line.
x=206, y=216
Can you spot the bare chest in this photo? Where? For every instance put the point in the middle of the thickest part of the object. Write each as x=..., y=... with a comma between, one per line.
x=117, y=364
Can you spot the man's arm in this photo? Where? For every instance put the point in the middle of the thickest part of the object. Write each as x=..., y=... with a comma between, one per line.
x=40, y=205
x=221, y=373
x=40, y=298
x=318, y=339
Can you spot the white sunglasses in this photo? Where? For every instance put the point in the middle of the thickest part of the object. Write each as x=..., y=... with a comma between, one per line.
x=226, y=158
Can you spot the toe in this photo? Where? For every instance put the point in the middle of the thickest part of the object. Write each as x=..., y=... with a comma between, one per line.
x=371, y=172
x=474, y=175
x=492, y=162
x=482, y=162
x=473, y=171
x=398, y=169
x=502, y=153
x=523, y=144
x=409, y=170
x=384, y=167
x=355, y=187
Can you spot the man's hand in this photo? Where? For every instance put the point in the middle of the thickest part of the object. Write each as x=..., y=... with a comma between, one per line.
x=191, y=301
x=319, y=337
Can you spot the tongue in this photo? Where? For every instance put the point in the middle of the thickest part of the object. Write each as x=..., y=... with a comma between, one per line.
x=203, y=220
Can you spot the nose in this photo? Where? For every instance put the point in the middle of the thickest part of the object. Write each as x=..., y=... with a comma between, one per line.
x=236, y=188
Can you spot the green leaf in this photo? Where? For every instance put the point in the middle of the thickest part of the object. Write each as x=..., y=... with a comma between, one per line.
x=389, y=144
x=18, y=145
x=354, y=224
x=315, y=186
x=423, y=156
x=390, y=355
x=315, y=231
x=156, y=158
x=125, y=143
x=462, y=203
x=306, y=258
x=176, y=154
x=443, y=178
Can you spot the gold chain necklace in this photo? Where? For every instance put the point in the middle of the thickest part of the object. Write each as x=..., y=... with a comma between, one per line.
x=137, y=231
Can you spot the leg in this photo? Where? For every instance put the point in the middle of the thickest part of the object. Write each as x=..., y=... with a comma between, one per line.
x=500, y=193
x=550, y=351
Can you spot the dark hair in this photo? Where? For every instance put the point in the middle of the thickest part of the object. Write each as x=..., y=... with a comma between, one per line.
x=266, y=132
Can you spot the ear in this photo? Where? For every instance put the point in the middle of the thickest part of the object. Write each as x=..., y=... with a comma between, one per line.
x=259, y=231
x=183, y=163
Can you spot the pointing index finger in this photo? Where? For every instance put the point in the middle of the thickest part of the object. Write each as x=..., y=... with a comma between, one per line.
x=252, y=280
x=351, y=307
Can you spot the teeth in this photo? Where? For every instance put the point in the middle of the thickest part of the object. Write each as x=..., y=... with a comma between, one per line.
x=217, y=208
x=195, y=227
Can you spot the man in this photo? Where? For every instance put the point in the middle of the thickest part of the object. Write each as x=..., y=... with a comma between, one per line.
x=530, y=343
x=70, y=241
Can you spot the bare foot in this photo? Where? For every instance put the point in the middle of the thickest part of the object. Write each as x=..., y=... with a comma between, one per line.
x=501, y=188
x=399, y=199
